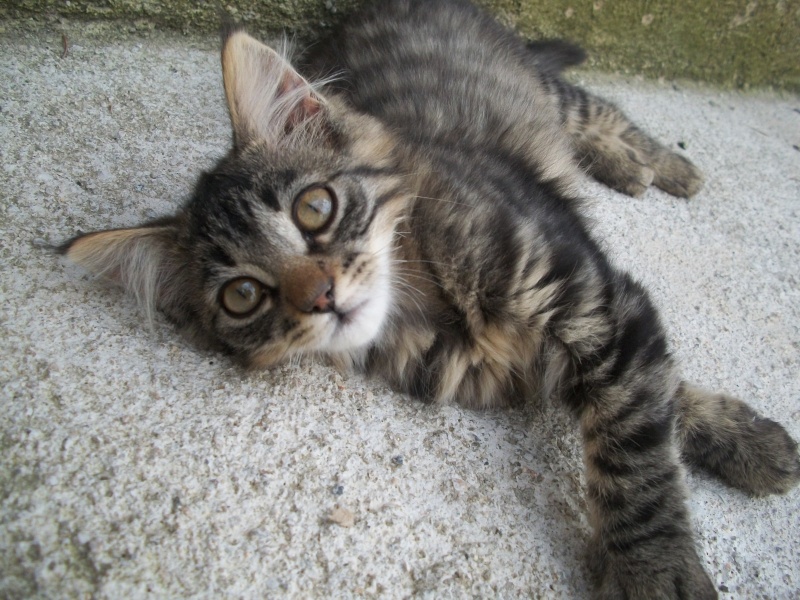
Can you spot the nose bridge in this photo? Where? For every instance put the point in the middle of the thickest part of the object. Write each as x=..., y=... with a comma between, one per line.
x=307, y=284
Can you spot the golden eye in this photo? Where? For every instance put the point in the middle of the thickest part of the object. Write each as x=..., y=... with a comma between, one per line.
x=314, y=209
x=241, y=297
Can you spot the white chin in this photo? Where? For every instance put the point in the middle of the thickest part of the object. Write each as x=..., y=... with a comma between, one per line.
x=361, y=325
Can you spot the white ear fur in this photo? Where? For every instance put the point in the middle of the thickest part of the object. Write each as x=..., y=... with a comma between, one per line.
x=138, y=259
x=267, y=98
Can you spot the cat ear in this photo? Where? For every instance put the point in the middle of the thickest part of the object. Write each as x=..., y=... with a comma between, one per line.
x=140, y=259
x=267, y=98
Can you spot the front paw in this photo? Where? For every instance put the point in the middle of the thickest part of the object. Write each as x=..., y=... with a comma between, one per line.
x=677, y=175
x=634, y=182
x=652, y=571
x=624, y=172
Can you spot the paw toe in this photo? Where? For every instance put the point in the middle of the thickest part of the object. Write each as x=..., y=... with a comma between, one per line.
x=677, y=176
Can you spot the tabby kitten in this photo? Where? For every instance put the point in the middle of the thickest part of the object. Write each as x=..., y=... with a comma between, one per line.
x=418, y=217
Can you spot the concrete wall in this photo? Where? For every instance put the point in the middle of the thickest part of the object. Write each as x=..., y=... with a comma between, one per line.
x=737, y=43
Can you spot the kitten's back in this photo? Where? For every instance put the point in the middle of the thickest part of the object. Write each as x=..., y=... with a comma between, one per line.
x=448, y=77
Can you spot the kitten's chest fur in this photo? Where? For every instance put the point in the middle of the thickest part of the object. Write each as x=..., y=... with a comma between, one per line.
x=480, y=304
x=447, y=351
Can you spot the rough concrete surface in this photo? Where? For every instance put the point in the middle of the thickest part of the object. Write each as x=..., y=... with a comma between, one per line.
x=134, y=466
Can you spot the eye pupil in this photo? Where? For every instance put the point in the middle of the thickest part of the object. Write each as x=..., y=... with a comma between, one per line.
x=242, y=296
x=314, y=209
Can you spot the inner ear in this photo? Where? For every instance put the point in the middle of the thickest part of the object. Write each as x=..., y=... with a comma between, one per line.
x=267, y=98
x=143, y=260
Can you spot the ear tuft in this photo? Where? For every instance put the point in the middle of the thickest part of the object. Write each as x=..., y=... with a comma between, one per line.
x=267, y=98
x=140, y=259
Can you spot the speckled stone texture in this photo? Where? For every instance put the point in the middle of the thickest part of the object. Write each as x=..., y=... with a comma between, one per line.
x=134, y=466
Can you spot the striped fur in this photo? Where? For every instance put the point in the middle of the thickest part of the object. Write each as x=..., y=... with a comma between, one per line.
x=454, y=260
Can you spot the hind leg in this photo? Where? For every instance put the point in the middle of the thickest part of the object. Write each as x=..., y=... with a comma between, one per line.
x=726, y=437
x=613, y=150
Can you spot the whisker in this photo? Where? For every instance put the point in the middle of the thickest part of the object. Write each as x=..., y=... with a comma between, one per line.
x=420, y=275
x=443, y=200
x=409, y=296
x=427, y=262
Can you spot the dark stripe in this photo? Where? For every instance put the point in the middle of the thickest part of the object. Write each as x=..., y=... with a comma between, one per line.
x=611, y=468
x=377, y=204
x=655, y=352
x=352, y=217
x=218, y=255
x=601, y=356
x=659, y=481
x=640, y=402
x=496, y=278
x=386, y=196
x=645, y=512
x=231, y=221
x=426, y=374
x=667, y=530
x=419, y=382
x=245, y=208
x=365, y=171
x=269, y=198
x=410, y=100
x=583, y=107
x=613, y=501
x=638, y=333
x=646, y=436
x=223, y=184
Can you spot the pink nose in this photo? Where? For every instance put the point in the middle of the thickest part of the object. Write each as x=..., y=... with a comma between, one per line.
x=307, y=287
x=324, y=301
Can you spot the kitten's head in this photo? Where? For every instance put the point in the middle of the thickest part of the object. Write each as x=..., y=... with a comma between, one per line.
x=285, y=246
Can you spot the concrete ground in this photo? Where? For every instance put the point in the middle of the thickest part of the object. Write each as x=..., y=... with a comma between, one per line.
x=134, y=466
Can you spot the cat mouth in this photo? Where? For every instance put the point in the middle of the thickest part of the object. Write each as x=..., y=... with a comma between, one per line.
x=346, y=317
x=356, y=326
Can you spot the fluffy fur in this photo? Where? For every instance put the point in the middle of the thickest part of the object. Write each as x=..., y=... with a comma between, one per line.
x=453, y=260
